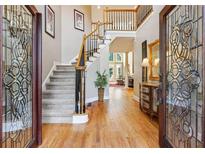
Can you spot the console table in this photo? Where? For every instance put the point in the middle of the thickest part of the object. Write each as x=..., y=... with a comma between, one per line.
x=149, y=98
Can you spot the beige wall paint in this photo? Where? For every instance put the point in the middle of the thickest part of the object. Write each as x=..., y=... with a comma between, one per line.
x=122, y=44
x=71, y=37
x=145, y=32
x=51, y=47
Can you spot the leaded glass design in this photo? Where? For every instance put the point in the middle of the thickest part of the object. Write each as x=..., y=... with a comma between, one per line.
x=184, y=101
x=17, y=73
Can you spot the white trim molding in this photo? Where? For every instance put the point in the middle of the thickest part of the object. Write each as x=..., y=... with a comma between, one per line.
x=48, y=76
x=93, y=99
x=80, y=118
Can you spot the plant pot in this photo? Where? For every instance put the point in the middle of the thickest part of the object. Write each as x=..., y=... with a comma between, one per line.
x=101, y=94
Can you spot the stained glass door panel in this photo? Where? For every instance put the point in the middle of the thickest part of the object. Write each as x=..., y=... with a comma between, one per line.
x=17, y=77
x=184, y=77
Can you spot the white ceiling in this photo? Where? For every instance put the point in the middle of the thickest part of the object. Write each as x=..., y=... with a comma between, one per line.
x=122, y=44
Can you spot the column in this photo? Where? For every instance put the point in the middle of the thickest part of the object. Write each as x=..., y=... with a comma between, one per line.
x=126, y=69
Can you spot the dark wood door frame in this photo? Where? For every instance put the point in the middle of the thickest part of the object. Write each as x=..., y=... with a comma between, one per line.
x=162, y=29
x=163, y=142
x=203, y=59
x=1, y=73
x=36, y=78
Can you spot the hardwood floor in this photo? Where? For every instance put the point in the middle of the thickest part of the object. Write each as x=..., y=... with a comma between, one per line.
x=117, y=123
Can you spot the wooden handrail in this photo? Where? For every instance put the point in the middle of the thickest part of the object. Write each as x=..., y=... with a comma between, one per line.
x=124, y=9
x=101, y=23
x=81, y=53
x=137, y=8
x=95, y=30
x=142, y=15
x=80, y=66
x=119, y=9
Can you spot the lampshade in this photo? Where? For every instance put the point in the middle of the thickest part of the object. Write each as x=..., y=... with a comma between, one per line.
x=156, y=62
x=145, y=62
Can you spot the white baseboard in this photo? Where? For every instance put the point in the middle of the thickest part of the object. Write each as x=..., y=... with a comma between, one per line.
x=136, y=98
x=93, y=99
x=48, y=75
x=80, y=118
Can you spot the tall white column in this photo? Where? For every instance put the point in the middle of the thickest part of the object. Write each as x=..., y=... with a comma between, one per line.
x=126, y=70
x=114, y=67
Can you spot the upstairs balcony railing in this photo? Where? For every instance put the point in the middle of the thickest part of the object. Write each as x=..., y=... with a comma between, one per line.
x=126, y=19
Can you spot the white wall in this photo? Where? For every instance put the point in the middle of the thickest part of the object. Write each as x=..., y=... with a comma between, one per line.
x=51, y=47
x=71, y=37
x=100, y=65
x=104, y=65
x=149, y=31
x=91, y=90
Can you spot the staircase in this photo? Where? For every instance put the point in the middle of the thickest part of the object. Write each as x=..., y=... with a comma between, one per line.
x=64, y=94
x=59, y=95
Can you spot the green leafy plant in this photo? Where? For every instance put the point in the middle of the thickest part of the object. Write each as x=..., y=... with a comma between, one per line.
x=102, y=80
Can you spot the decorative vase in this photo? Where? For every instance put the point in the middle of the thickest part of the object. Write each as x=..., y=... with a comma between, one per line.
x=100, y=94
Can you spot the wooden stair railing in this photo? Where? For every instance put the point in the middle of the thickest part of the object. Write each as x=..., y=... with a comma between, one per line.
x=89, y=46
x=80, y=80
x=126, y=19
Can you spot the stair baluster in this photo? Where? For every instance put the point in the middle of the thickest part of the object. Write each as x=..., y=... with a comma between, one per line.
x=126, y=19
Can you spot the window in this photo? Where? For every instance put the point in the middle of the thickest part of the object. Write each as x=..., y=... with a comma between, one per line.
x=110, y=72
x=119, y=57
x=111, y=57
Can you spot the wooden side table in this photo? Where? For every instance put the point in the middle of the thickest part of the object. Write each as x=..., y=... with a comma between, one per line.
x=148, y=98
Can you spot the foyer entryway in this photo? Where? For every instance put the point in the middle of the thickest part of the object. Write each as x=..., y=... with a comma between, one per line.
x=115, y=123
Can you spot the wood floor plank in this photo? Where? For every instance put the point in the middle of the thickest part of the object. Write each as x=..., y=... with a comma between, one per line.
x=116, y=123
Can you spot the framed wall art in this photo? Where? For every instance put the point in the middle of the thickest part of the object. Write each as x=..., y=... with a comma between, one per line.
x=78, y=20
x=49, y=21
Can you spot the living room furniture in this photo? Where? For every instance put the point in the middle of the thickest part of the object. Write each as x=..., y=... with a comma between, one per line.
x=120, y=82
x=149, y=98
x=130, y=82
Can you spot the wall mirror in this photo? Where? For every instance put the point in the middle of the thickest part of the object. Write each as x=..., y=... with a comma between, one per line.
x=154, y=60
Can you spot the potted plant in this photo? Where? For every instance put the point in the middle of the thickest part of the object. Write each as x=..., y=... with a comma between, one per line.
x=101, y=82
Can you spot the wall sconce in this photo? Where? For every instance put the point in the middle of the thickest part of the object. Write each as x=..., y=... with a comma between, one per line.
x=145, y=65
x=98, y=7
